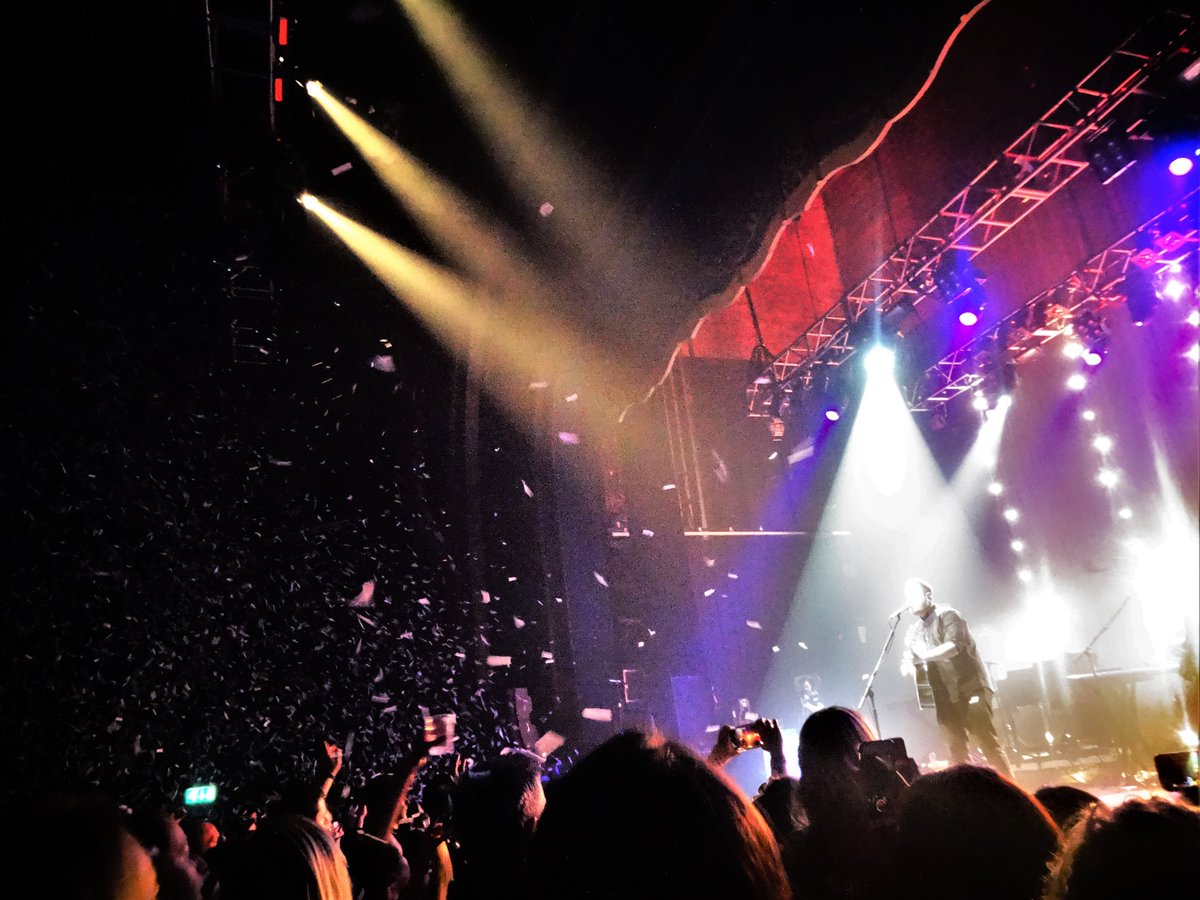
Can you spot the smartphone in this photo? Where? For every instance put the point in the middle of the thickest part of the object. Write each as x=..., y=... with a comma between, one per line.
x=891, y=750
x=1178, y=771
x=439, y=733
x=746, y=737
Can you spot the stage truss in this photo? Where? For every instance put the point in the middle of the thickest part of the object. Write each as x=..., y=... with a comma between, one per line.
x=1032, y=169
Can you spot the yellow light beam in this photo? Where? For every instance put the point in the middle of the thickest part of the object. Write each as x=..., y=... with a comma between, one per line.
x=536, y=159
x=479, y=246
x=510, y=342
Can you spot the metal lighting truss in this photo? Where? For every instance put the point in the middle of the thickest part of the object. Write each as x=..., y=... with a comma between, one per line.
x=243, y=61
x=1158, y=244
x=1029, y=171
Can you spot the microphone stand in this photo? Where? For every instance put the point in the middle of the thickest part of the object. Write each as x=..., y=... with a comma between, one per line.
x=869, y=693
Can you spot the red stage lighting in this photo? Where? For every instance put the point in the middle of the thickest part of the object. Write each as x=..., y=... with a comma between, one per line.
x=283, y=32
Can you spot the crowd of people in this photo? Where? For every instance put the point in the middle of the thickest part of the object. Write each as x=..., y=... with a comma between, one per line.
x=639, y=816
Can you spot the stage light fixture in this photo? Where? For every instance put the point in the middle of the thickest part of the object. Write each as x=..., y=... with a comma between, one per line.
x=1180, y=166
x=968, y=317
x=1073, y=350
x=995, y=489
x=1193, y=318
x=313, y=88
x=1103, y=443
x=1140, y=297
x=1077, y=382
x=1011, y=515
x=981, y=401
x=1018, y=546
x=879, y=361
x=1193, y=353
x=1125, y=512
x=1088, y=415
x=1093, y=358
x=1004, y=401
x=832, y=414
x=1109, y=154
x=1108, y=478
x=1174, y=289
x=1025, y=576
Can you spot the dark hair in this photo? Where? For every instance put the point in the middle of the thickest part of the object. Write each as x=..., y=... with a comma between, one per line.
x=831, y=788
x=993, y=840
x=1065, y=803
x=779, y=804
x=645, y=817
x=1142, y=848
x=74, y=849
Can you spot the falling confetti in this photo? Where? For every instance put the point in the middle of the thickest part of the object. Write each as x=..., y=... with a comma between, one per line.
x=364, y=597
x=600, y=578
x=499, y=660
x=754, y=624
x=548, y=743
x=528, y=490
x=596, y=714
x=568, y=437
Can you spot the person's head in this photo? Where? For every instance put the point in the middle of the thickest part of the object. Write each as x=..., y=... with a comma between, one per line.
x=304, y=800
x=78, y=850
x=831, y=787
x=918, y=595
x=1142, y=848
x=287, y=857
x=969, y=832
x=163, y=838
x=644, y=817
x=1065, y=803
x=779, y=803
x=503, y=795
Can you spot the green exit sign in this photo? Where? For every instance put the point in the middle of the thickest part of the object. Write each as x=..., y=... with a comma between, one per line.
x=200, y=795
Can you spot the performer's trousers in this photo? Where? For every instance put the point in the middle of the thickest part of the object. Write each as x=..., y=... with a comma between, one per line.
x=958, y=719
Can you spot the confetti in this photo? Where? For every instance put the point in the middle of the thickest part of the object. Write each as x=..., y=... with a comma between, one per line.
x=753, y=624
x=597, y=714
x=710, y=592
x=646, y=532
x=548, y=743
x=383, y=364
x=600, y=578
x=528, y=490
x=571, y=398
x=342, y=169
x=364, y=597
x=568, y=437
x=802, y=645
x=485, y=596
x=668, y=487
x=545, y=210
x=499, y=660
x=518, y=622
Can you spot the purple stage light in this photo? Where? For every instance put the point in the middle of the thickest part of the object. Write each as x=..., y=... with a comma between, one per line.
x=968, y=317
x=1180, y=165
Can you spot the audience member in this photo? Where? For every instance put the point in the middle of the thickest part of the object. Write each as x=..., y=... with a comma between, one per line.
x=162, y=837
x=287, y=858
x=970, y=832
x=1065, y=803
x=496, y=807
x=845, y=846
x=644, y=817
x=1142, y=848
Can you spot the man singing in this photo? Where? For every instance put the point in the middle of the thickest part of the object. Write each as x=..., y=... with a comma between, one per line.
x=962, y=690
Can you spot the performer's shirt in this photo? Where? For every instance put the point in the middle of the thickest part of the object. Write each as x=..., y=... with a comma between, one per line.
x=963, y=675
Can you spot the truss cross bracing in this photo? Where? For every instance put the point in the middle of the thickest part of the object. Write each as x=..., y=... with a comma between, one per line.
x=1095, y=282
x=1027, y=173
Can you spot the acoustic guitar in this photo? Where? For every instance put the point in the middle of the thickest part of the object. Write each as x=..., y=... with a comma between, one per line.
x=924, y=688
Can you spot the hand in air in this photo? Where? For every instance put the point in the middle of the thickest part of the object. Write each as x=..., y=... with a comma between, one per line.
x=333, y=758
x=772, y=736
x=725, y=748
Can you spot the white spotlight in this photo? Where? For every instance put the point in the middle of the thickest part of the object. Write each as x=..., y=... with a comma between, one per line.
x=313, y=88
x=879, y=361
x=1108, y=478
x=980, y=402
x=1011, y=514
x=1125, y=512
x=1018, y=546
x=1025, y=575
x=1077, y=382
x=1089, y=415
x=1193, y=318
x=1193, y=353
x=1174, y=289
x=1004, y=401
x=995, y=489
x=1103, y=443
x=1073, y=350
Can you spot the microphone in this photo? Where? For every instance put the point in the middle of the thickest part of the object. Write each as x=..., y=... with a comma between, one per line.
x=898, y=613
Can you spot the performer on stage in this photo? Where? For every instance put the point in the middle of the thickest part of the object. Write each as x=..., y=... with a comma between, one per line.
x=962, y=690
